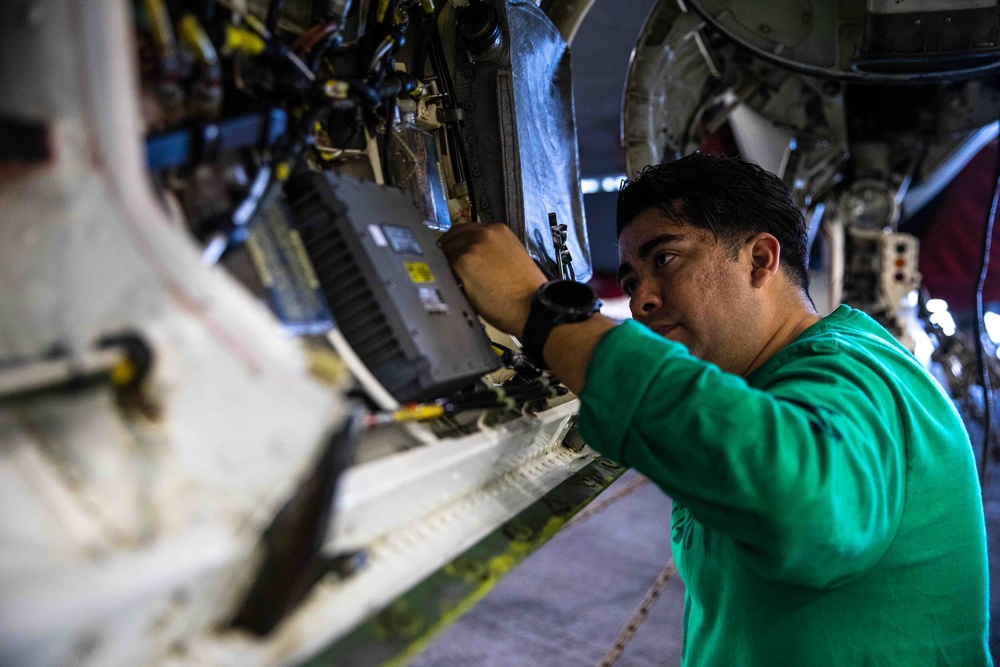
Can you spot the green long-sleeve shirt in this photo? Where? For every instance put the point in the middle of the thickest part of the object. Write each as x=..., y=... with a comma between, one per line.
x=826, y=508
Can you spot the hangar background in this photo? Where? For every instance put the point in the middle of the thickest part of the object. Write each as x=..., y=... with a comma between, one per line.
x=567, y=604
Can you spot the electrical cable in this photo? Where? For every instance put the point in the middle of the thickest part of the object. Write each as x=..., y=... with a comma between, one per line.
x=332, y=41
x=381, y=52
x=419, y=56
x=518, y=362
x=427, y=26
x=514, y=398
x=266, y=186
x=311, y=36
x=390, y=118
x=364, y=91
x=460, y=158
x=273, y=11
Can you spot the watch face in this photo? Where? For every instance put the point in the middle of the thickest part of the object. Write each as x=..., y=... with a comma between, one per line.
x=568, y=295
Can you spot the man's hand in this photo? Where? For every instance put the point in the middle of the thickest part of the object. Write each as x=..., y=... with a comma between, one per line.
x=499, y=276
x=500, y=279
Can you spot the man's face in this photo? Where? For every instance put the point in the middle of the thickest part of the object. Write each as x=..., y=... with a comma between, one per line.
x=685, y=285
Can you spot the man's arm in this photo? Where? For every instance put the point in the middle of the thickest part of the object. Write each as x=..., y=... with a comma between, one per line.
x=500, y=279
x=808, y=477
x=803, y=476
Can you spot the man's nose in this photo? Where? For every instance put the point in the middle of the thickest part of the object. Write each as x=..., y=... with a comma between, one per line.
x=645, y=301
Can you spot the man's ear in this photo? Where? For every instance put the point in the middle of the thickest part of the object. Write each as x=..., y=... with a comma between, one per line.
x=765, y=259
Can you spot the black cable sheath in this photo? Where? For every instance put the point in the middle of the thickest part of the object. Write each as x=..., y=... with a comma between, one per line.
x=273, y=12
x=419, y=57
x=460, y=159
x=363, y=91
x=390, y=118
x=428, y=24
x=979, y=323
x=334, y=42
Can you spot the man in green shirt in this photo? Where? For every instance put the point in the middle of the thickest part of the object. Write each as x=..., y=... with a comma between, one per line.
x=826, y=506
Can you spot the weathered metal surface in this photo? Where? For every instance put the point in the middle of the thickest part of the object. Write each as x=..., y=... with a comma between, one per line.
x=402, y=629
x=521, y=137
x=132, y=525
x=126, y=531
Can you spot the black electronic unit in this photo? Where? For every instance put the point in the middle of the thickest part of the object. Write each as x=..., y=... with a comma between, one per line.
x=389, y=286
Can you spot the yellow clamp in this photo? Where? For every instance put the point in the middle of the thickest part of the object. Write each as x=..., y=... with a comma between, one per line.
x=419, y=91
x=241, y=40
x=159, y=24
x=335, y=89
x=194, y=37
x=418, y=413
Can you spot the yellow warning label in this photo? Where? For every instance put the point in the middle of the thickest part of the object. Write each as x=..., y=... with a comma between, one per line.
x=419, y=272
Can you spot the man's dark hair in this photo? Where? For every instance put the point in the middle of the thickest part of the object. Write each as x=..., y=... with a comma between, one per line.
x=731, y=197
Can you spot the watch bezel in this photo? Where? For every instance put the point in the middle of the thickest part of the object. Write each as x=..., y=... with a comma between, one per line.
x=553, y=288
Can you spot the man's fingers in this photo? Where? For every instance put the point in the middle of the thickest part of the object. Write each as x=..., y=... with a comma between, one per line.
x=461, y=238
x=457, y=240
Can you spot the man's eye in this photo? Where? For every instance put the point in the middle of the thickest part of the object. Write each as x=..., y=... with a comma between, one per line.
x=661, y=259
x=628, y=287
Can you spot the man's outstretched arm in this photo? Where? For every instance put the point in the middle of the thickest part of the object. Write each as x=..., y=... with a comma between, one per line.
x=500, y=279
x=797, y=475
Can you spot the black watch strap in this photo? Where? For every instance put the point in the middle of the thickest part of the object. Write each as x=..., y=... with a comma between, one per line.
x=556, y=302
x=536, y=332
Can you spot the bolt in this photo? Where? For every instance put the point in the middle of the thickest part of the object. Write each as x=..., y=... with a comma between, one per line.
x=558, y=506
x=467, y=569
x=607, y=463
x=518, y=532
x=398, y=620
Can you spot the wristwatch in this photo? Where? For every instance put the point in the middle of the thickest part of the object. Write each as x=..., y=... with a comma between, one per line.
x=556, y=302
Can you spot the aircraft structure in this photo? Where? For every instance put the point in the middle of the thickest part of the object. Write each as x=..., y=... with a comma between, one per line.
x=247, y=416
